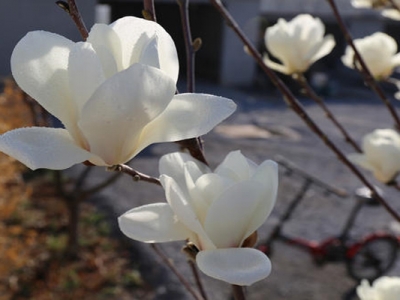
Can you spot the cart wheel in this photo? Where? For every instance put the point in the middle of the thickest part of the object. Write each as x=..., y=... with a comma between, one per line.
x=374, y=258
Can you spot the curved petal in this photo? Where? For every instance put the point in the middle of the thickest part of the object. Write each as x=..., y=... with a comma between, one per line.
x=172, y=164
x=114, y=116
x=321, y=49
x=236, y=166
x=275, y=66
x=184, y=211
x=85, y=73
x=240, y=266
x=107, y=45
x=267, y=175
x=135, y=34
x=40, y=147
x=152, y=223
x=39, y=65
x=229, y=217
x=187, y=116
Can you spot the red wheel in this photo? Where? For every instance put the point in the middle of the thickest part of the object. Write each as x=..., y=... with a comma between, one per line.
x=373, y=258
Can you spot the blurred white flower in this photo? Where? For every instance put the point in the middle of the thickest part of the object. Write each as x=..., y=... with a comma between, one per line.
x=383, y=288
x=114, y=93
x=297, y=43
x=379, y=53
x=381, y=154
x=218, y=211
x=385, y=6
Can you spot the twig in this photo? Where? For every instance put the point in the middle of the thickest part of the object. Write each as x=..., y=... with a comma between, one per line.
x=300, y=78
x=149, y=11
x=72, y=9
x=394, y=5
x=137, y=176
x=238, y=293
x=182, y=279
x=296, y=106
x=190, y=52
x=197, y=279
x=369, y=79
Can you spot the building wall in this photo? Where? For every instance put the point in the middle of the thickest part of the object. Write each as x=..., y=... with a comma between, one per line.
x=17, y=17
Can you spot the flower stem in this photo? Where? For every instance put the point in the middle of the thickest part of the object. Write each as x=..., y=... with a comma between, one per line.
x=301, y=79
x=369, y=79
x=190, y=52
x=72, y=9
x=238, y=293
x=150, y=10
x=197, y=279
x=137, y=176
x=182, y=279
x=296, y=106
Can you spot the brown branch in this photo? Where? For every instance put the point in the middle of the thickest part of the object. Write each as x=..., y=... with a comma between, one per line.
x=72, y=10
x=197, y=278
x=296, y=106
x=149, y=11
x=394, y=5
x=190, y=52
x=238, y=293
x=369, y=79
x=300, y=78
x=182, y=279
x=137, y=176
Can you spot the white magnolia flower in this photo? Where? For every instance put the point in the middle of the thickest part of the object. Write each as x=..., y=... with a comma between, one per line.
x=379, y=53
x=383, y=288
x=381, y=154
x=114, y=93
x=297, y=43
x=385, y=5
x=218, y=211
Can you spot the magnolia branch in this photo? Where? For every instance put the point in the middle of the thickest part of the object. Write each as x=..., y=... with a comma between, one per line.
x=182, y=279
x=71, y=8
x=296, y=106
x=311, y=94
x=149, y=12
x=369, y=79
x=136, y=176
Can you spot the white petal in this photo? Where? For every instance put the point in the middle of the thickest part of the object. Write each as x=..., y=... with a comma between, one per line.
x=107, y=45
x=114, y=116
x=230, y=216
x=187, y=116
x=267, y=175
x=240, y=266
x=321, y=49
x=236, y=166
x=85, y=73
x=39, y=65
x=40, y=147
x=173, y=165
x=150, y=53
x=361, y=160
x=152, y=223
x=135, y=34
x=184, y=211
x=275, y=66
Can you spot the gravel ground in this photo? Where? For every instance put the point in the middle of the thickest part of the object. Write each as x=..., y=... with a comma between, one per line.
x=268, y=128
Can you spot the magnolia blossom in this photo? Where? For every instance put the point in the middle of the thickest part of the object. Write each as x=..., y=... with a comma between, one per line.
x=297, y=43
x=384, y=288
x=385, y=5
x=218, y=211
x=114, y=93
x=379, y=53
x=381, y=154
